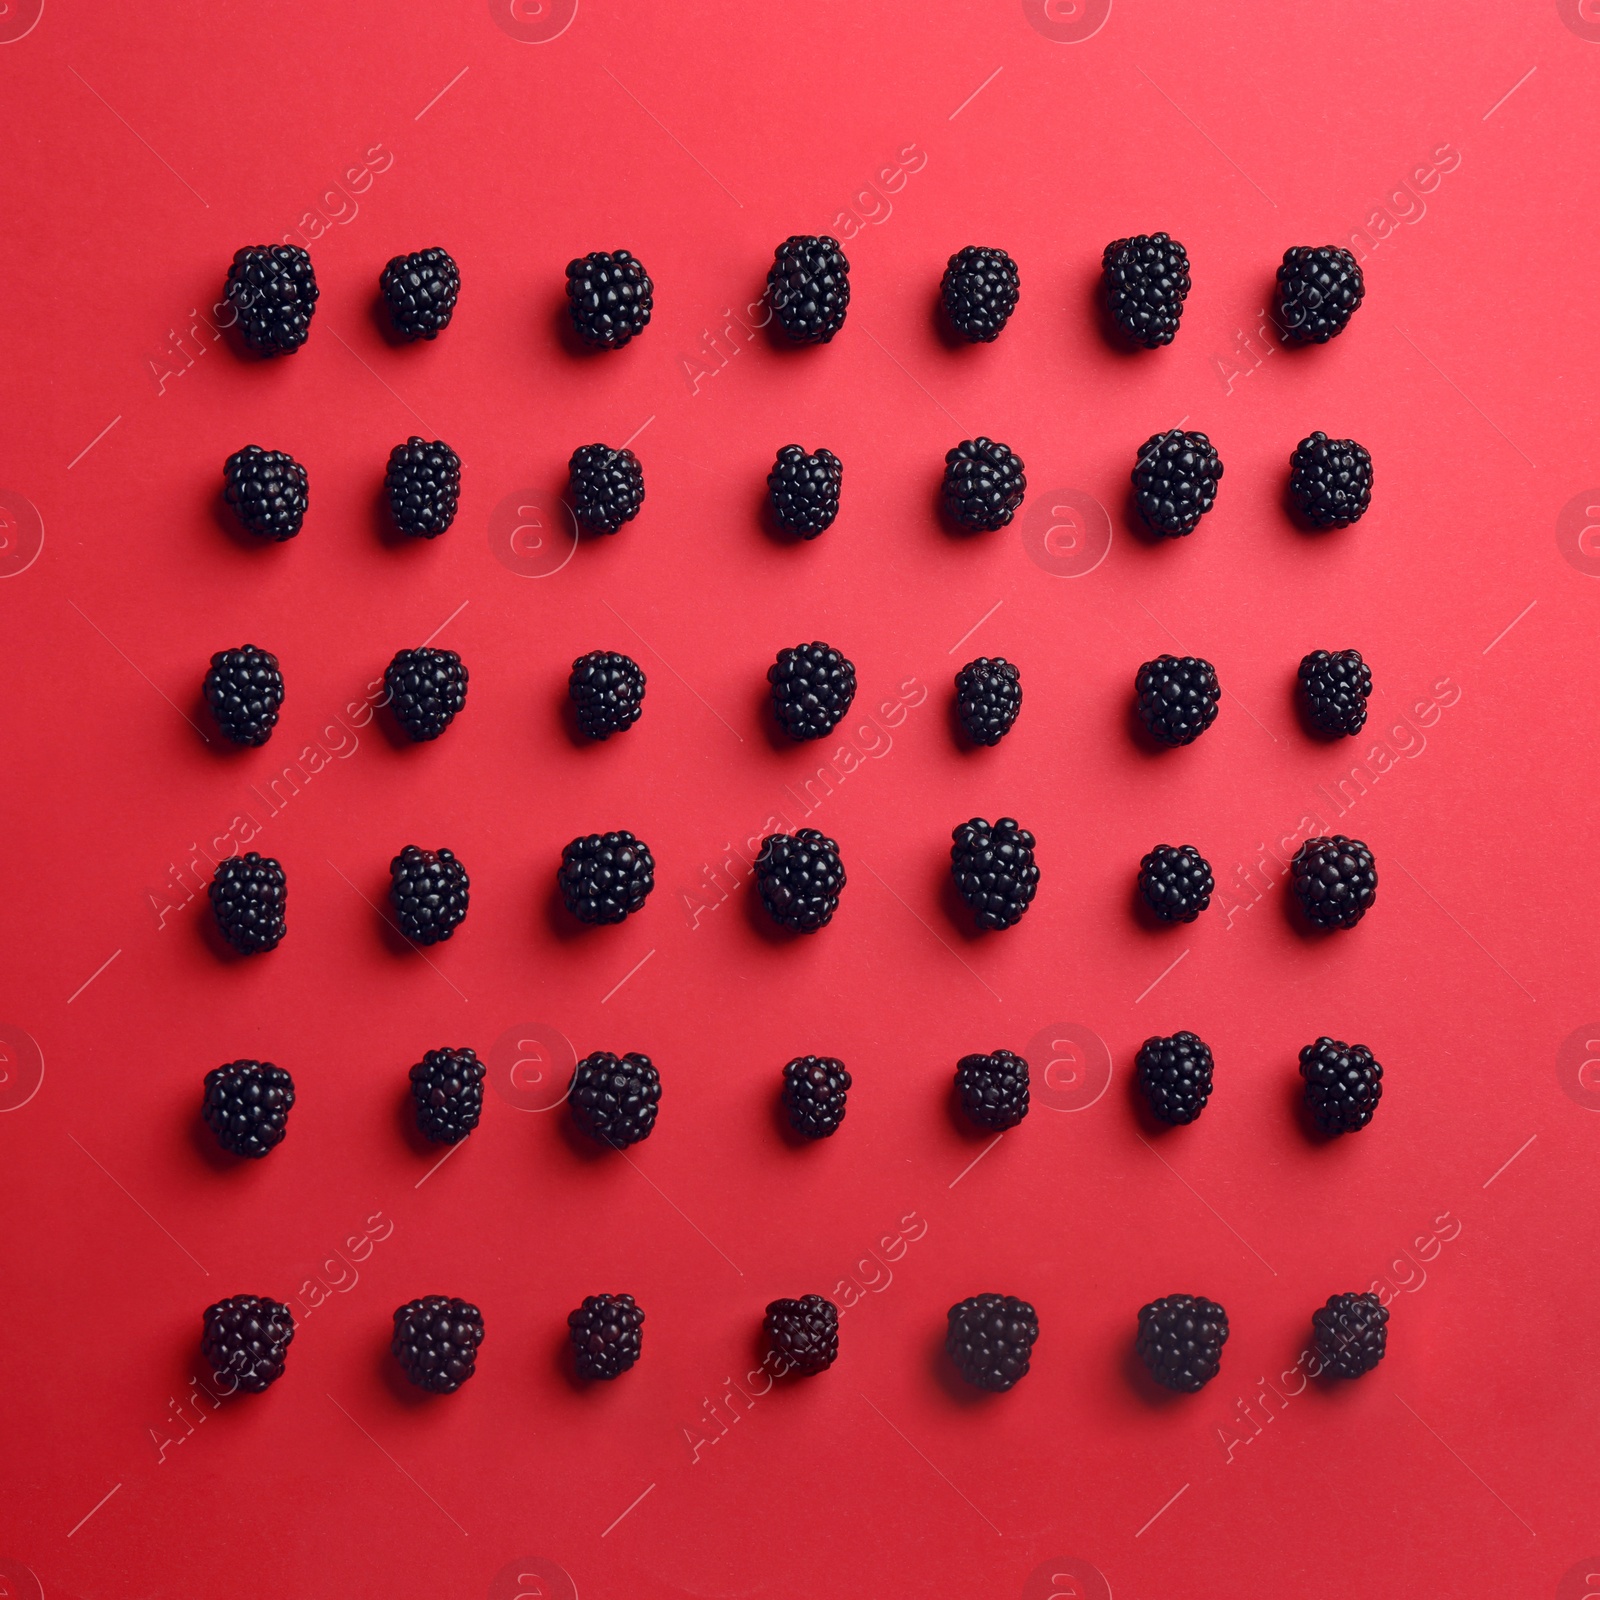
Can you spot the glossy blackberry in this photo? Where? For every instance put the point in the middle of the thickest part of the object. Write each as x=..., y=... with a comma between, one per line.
x=993, y=1089
x=436, y=1341
x=1351, y=1334
x=606, y=1332
x=814, y=1091
x=1177, y=698
x=809, y=286
x=1175, y=881
x=1330, y=480
x=799, y=876
x=1334, y=686
x=983, y=484
x=803, y=1334
x=267, y=490
x=605, y=877
x=607, y=692
x=1343, y=1085
x=273, y=291
x=1175, y=1077
x=1335, y=879
x=423, y=483
x=245, y=1340
x=429, y=890
x=804, y=490
x=988, y=698
x=979, y=291
x=249, y=894
x=426, y=689
x=247, y=1106
x=991, y=1339
x=1146, y=282
x=610, y=296
x=420, y=290
x=812, y=688
x=244, y=690
x=1180, y=1340
x=606, y=487
x=994, y=870
x=1319, y=290
x=614, y=1098
x=1175, y=481
x=447, y=1086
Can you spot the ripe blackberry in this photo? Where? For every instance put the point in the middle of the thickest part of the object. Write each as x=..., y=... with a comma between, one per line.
x=244, y=689
x=1334, y=686
x=1335, y=879
x=804, y=490
x=803, y=1333
x=605, y=877
x=814, y=1091
x=1180, y=1340
x=1175, y=481
x=429, y=890
x=1318, y=292
x=436, y=1341
x=979, y=291
x=1350, y=1333
x=799, y=876
x=988, y=698
x=809, y=285
x=993, y=1088
x=1343, y=1085
x=247, y=1106
x=1331, y=480
x=245, y=1340
x=606, y=1332
x=1175, y=881
x=614, y=1098
x=1146, y=282
x=447, y=1086
x=812, y=688
x=423, y=483
x=1177, y=698
x=1175, y=1076
x=248, y=896
x=994, y=870
x=267, y=490
x=420, y=290
x=991, y=1339
x=273, y=292
x=607, y=691
x=983, y=484
x=426, y=689
x=610, y=296
x=606, y=487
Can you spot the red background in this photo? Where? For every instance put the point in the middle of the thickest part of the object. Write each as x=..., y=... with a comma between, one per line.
x=144, y=145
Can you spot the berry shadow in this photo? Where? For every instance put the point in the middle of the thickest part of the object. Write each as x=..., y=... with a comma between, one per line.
x=561, y=922
x=767, y=520
x=1308, y=932
x=405, y=1110
x=786, y=1130
x=384, y=528
x=1150, y=1126
x=956, y=910
x=1143, y=533
x=1097, y=311
x=203, y=1142
x=588, y=1152
x=1143, y=917
x=767, y=717
x=211, y=935
x=211, y=734
x=966, y=746
x=1294, y=1092
x=399, y=1388
x=564, y=336
x=1141, y=737
x=1137, y=1377
x=761, y=922
x=941, y=327
x=383, y=325
x=956, y=1389
x=968, y=1131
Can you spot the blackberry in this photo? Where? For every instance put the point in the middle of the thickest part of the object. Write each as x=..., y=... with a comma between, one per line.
x=1330, y=480
x=1318, y=292
x=267, y=490
x=1177, y=698
x=812, y=688
x=1146, y=282
x=799, y=876
x=1175, y=1076
x=429, y=890
x=994, y=870
x=245, y=1340
x=426, y=690
x=436, y=1342
x=248, y=897
x=420, y=290
x=1343, y=1085
x=247, y=1106
x=244, y=689
x=614, y=1098
x=804, y=490
x=273, y=291
x=991, y=1339
x=988, y=698
x=1180, y=1340
x=1175, y=881
x=447, y=1086
x=1175, y=481
x=983, y=484
x=803, y=1334
x=1350, y=1333
x=423, y=483
x=607, y=691
x=1334, y=686
x=610, y=296
x=979, y=291
x=814, y=1091
x=809, y=285
x=605, y=877
x=606, y=1332
x=993, y=1089
x=606, y=487
x=1335, y=879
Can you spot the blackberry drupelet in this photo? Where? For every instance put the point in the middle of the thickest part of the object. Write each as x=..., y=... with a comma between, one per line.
x=249, y=894
x=979, y=291
x=812, y=688
x=1334, y=686
x=247, y=1106
x=1330, y=480
x=1335, y=879
x=1175, y=1076
x=1177, y=698
x=607, y=692
x=809, y=286
x=606, y=1332
x=983, y=484
x=803, y=1334
x=614, y=1098
x=245, y=1340
x=244, y=690
x=991, y=1339
x=1175, y=481
x=1175, y=881
x=799, y=876
x=804, y=490
x=606, y=487
x=605, y=877
x=994, y=870
x=1343, y=1085
x=420, y=290
x=814, y=1091
x=1350, y=1333
x=273, y=291
x=436, y=1341
x=423, y=483
x=426, y=689
x=988, y=698
x=1146, y=280
x=447, y=1086
x=1319, y=289
x=993, y=1089
x=429, y=890
x=267, y=490
x=1180, y=1340
x=610, y=296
